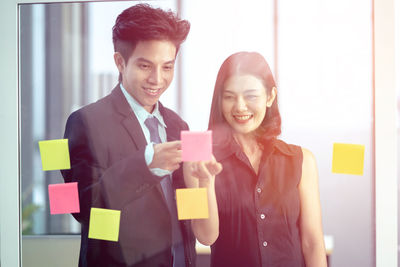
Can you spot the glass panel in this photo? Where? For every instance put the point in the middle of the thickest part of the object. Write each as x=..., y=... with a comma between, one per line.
x=325, y=88
x=326, y=97
x=66, y=63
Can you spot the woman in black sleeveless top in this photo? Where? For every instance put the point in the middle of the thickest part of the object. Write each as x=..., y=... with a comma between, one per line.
x=263, y=193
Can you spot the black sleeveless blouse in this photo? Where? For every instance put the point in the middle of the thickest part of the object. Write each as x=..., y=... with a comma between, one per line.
x=258, y=214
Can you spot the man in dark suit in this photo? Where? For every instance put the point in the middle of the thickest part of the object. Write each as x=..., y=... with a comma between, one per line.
x=125, y=149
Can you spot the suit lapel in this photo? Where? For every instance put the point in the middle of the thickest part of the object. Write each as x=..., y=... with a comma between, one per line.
x=134, y=129
x=129, y=121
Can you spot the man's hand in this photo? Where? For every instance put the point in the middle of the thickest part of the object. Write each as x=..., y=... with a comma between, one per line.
x=167, y=156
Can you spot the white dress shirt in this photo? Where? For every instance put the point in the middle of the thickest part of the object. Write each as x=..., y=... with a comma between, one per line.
x=142, y=114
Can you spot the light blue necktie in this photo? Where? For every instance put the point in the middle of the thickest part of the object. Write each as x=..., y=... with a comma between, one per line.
x=177, y=248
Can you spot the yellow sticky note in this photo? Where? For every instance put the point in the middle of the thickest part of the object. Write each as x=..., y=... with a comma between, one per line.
x=54, y=154
x=104, y=224
x=192, y=203
x=348, y=158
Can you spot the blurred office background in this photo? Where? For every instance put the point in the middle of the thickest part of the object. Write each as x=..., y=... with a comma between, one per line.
x=319, y=50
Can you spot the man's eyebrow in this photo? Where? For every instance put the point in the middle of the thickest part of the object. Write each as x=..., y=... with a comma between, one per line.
x=141, y=59
x=170, y=62
x=144, y=60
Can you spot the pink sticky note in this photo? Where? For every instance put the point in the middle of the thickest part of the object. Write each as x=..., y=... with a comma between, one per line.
x=196, y=146
x=64, y=198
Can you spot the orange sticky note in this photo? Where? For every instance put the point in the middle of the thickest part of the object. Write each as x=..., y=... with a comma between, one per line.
x=192, y=203
x=196, y=146
x=64, y=198
x=104, y=224
x=348, y=159
x=54, y=154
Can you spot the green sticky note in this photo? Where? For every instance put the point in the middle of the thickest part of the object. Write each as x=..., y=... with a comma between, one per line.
x=348, y=159
x=54, y=154
x=104, y=224
x=192, y=203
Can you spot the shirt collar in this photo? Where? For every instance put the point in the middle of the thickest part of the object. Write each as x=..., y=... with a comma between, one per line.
x=225, y=145
x=139, y=110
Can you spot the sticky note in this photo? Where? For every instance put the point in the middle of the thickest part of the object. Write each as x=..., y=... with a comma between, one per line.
x=64, y=198
x=54, y=154
x=104, y=224
x=348, y=158
x=192, y=203
x=196, y=146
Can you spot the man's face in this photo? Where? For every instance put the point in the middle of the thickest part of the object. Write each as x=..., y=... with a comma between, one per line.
x=148, y=72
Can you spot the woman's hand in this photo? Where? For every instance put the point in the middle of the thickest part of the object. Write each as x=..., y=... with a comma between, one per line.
x=205, y=170
x=202, y=174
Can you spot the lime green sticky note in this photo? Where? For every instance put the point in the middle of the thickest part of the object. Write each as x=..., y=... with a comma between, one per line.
x=192, y=203
x=348, y=158
x=54, y=154
x=104, y=224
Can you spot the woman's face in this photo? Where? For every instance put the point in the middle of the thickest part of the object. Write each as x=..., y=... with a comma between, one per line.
x=244, y=103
